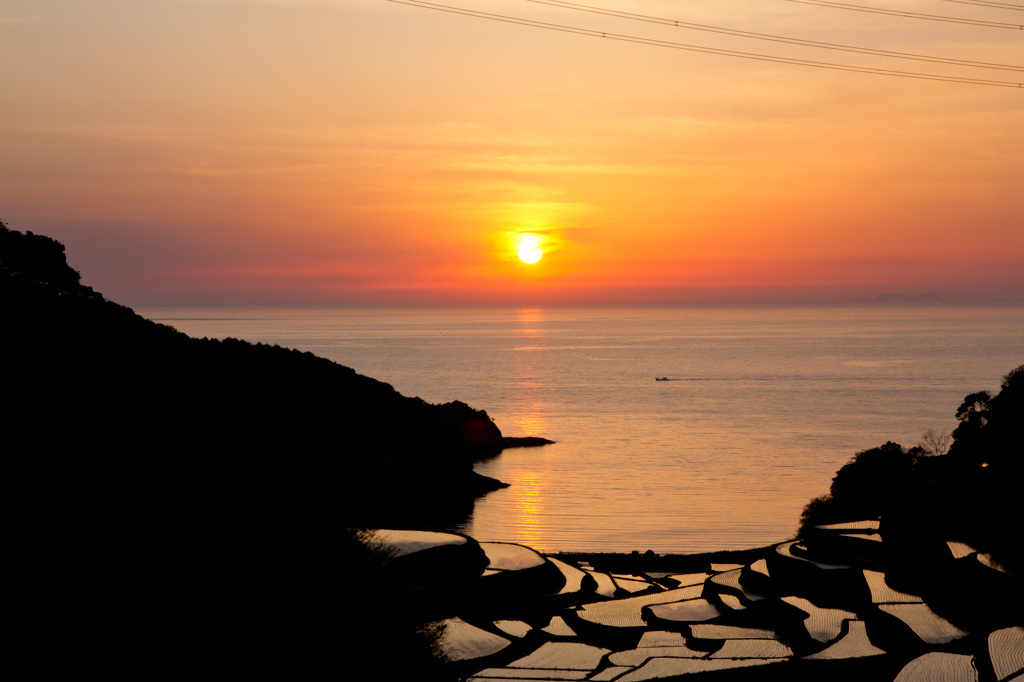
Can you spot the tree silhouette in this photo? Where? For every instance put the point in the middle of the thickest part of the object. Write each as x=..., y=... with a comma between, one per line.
x=935, y=442
x=970, y=492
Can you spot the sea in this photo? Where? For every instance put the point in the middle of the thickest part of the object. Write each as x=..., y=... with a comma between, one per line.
x=756, y=409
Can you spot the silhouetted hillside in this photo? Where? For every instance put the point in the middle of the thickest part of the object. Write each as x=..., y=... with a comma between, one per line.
x=92, y=376
x=972, y=493
x=184, y=499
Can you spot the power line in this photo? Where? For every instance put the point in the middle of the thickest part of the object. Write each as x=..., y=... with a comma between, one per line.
x=696, y=48
x=773, y=38
x=985, y=3
x=911, y=15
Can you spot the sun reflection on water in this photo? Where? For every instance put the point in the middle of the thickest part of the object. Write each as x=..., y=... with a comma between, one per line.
x=530, y=315
x=530, y=419
x=527, y=509
x=530, y=320
x=530, y=374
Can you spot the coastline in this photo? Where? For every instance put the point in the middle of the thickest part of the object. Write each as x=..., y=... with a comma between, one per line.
x=723, y=457
x=649, y=561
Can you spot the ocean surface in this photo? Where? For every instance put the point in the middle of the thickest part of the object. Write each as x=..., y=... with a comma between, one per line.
x=762, y=406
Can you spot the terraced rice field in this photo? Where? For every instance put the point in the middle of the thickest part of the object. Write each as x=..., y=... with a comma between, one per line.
x=637, y=657
x=464, y=641
x=509, y=557
x=659, y=668
x=881, y=593
x=1006, y=650
x=563, y=656
x=625, y=613
x=854, y=644
x=931, y=628
x=823, y=625
x=777, y=610
x=689, y=611
x=709, y=631
x=405, y=542
x=939, y=667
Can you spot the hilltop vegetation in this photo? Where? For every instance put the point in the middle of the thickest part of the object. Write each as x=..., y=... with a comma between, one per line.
x=970, y=493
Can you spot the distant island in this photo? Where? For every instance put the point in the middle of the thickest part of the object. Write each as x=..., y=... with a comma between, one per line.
x=904, y=298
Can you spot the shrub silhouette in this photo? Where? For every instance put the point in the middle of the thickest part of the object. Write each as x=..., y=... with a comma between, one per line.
x=866, y=487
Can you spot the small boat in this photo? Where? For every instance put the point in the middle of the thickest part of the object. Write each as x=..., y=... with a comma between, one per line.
x=661, y=378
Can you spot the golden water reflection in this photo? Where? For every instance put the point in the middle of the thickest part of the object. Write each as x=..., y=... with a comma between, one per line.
x=527, y=509
x=528, y=411
x=530, y=372
x=530, y=420
x=530, y=315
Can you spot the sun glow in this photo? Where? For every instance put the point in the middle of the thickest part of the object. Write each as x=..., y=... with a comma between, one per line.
x=529, y=248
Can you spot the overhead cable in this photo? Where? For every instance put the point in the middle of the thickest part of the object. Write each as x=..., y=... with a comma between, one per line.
x=985, y=3
x=911, y=15
x=773, y=38
x=697, y=48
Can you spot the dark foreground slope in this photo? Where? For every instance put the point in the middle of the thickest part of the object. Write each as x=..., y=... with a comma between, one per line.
x=90, y=380
x=179, y=499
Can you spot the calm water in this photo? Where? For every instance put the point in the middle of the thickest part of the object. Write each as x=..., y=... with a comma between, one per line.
x=764, y=404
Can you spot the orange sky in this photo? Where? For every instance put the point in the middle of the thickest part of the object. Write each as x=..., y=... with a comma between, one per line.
x=361, y=151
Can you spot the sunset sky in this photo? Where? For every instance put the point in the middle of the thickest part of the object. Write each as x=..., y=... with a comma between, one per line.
x=363, y=151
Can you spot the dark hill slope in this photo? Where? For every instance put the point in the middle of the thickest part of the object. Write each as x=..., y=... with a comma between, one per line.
x=88, y=378
x=180, y=504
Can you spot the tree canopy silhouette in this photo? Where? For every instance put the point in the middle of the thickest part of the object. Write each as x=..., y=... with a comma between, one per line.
x=970, y=493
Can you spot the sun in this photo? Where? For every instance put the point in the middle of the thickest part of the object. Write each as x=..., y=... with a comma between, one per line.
x=529, y=249
x=530, y=255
